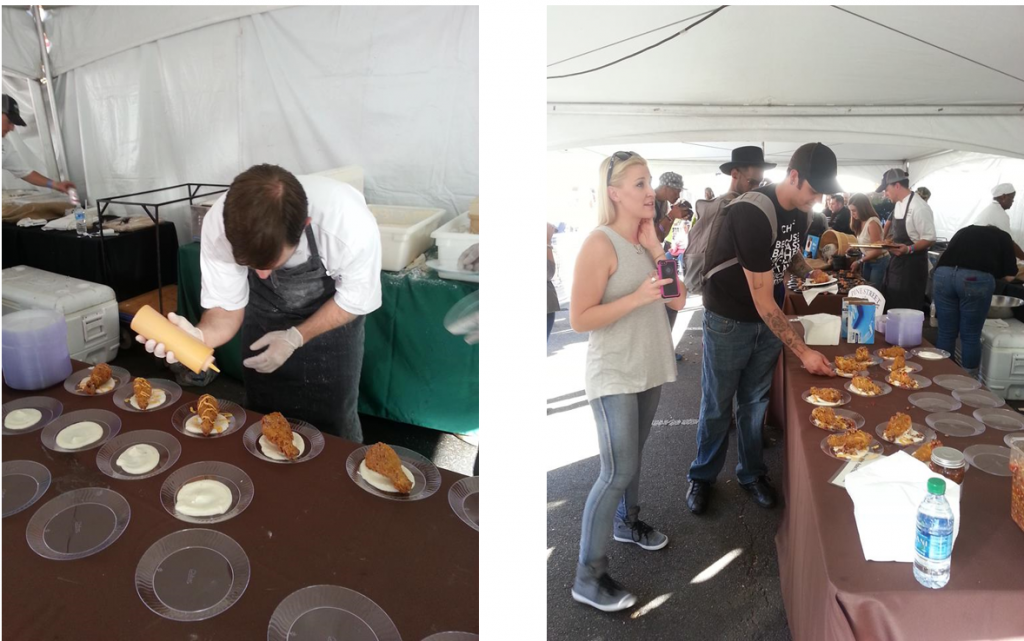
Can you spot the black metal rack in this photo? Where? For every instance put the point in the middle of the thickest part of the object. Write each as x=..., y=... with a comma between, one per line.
x=193, y=193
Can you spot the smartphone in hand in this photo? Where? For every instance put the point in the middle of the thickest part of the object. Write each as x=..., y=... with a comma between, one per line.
x=667, y=269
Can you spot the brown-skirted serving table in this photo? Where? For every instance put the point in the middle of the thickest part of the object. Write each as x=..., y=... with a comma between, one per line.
x=832, y=593
x=308, y=524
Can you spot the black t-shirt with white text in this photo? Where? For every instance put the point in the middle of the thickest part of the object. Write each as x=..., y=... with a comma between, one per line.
x=745, y=234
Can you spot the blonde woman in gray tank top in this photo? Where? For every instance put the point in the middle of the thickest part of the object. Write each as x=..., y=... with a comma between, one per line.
x=616, y=296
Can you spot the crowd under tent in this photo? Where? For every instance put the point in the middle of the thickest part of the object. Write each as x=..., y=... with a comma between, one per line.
x=936, y=90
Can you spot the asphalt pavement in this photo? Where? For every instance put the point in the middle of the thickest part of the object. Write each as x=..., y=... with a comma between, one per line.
x=718, y=578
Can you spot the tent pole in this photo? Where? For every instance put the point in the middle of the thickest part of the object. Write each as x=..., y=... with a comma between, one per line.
x=39, y=108
x=56, y=138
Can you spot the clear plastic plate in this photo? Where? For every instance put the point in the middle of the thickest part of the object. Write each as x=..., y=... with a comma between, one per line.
x=929, y=353
x=922, y=382
x=884, y=387
x=1005, y=420
x=184, y=413
x=24, y=483
x=857, y=420
x=934, y=402
x=123, y=397
x=314, y=441
x=192, y=575
x=955, y=425
x=957, y=382
x=119, y=374
x=874, y=448
x=167, y=446
x=78, y=524
x=991, y=459
x=909, y=365
x=110, y=422
x=846, y=374
x=927, y=433
x=453, y=636
x=464, y=498
x=330, y=612
x=235, y=478
x=50, y=408
x=978, y=398
x=846, y=398
x=428, y=479
x=1010, y=438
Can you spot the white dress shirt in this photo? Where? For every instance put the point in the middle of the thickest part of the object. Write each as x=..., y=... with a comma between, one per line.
x=13, y=162
x=346, y=236
x=993, y=214
x=920, y=222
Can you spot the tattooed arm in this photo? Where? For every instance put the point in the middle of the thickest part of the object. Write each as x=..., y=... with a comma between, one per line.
x=800, y=268
x=761, y=285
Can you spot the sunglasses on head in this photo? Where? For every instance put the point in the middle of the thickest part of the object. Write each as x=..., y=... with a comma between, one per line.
x=618, y=155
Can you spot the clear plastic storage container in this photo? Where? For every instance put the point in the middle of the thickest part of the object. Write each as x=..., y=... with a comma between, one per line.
x=35, y=348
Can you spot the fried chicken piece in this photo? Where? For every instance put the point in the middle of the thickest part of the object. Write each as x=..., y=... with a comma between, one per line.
x=100, y=375
x=892, y=352
x=898, y=425
x=279, y=432
x=383, y=460
x=865, y=385
x=827, y=419
x=851, y=444
x=924, y=453
x=899, y=363
x=901, y=378
x=847, y=365
x=143, y=390
x=862, y=355
x=820, y=277
x=826, y=394
x=207, y=409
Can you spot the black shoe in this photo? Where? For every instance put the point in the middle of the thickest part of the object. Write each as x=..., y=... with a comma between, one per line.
x=697, y=496
x=762, y=492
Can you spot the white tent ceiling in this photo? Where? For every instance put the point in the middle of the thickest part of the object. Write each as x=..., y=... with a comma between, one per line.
x=795, y=73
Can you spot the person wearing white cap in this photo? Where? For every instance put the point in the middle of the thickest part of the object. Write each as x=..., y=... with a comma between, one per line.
x=994, y=213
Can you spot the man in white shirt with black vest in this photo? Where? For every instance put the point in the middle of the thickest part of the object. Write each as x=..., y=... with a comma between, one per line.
x=294, y=262
x=913, y=231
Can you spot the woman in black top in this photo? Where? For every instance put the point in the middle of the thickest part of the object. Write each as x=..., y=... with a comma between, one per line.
x=965, y=279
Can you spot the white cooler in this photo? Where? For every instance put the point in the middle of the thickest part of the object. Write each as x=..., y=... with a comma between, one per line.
x=90, y=309
x=1002, y=359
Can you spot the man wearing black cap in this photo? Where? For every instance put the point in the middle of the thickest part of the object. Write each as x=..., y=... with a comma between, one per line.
x=12, y=161
x=744, y=328
x=913, y=231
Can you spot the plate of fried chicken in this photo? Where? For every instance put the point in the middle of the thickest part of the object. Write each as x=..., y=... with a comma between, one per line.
x=99, y=380
x=277, y=439
x=393, y=472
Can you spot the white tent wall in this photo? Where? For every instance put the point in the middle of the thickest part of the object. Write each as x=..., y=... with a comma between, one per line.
x=20, y=43
x=392, y=89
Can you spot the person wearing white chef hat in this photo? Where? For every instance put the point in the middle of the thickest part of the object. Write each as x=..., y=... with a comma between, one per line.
x=994, y=213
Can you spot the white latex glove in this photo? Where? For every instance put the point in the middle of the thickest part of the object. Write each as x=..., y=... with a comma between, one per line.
x=158, y=349
x=470, y=259
x=280, y=346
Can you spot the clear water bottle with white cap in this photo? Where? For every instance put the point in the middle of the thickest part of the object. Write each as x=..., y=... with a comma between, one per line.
x=934, y=542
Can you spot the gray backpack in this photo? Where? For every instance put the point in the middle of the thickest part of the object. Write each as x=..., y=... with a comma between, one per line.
x=704, y=236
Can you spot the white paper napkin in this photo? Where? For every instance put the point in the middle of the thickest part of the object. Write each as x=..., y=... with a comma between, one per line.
x=821, y=329
x=811, y=294
x=31, y=222
x=886, y=495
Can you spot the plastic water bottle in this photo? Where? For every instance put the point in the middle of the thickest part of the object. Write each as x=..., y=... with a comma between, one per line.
x=80, y=225
x=934, y=543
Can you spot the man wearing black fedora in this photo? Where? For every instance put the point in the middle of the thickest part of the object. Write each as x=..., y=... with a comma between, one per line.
x=759, y=240
x=12, y=161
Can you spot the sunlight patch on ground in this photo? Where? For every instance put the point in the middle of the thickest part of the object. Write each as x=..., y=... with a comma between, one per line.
x=650, y=606
x=717, y=566
x=550, y=550
x=553, y=504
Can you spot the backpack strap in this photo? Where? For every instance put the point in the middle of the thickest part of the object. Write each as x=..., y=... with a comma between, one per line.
x=762, y=202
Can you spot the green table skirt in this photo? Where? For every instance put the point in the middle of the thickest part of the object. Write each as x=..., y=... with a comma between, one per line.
x=414, y=371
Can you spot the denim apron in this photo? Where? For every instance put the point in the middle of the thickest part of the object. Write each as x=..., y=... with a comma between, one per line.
x=907, y=276
x=320, y=382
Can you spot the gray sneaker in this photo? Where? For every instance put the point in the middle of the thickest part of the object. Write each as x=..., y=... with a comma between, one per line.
x=603, y=593
x=640, y=533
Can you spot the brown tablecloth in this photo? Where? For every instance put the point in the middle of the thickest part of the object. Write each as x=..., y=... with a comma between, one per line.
x=795, y=305
x=308, y=524
x=832, y=593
